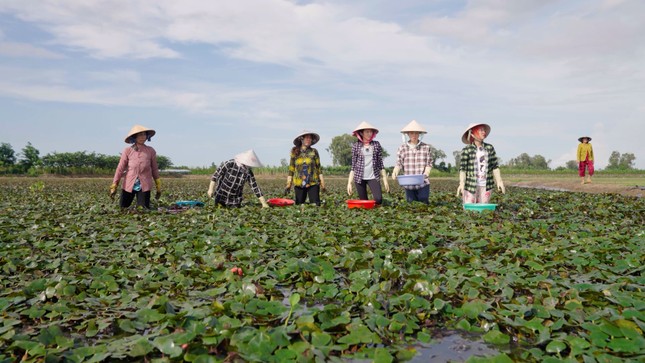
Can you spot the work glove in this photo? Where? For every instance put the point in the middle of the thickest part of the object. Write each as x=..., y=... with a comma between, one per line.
x=322, y=183
x=426, y=171
x=211, y=189
x=288, y=187
x=350, y=181
x=386, y=186
x=158, y=185
x=462, y=183
x=395, y=172
x=113, y=190
x=498, y=180
x=263, y=202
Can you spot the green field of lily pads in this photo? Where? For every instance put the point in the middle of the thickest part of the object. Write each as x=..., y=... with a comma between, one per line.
x=547, y=277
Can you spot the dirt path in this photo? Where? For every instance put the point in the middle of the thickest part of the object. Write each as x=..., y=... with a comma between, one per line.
x=599, y=186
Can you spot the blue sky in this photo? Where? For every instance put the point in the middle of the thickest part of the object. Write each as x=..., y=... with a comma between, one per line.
x=215, y=78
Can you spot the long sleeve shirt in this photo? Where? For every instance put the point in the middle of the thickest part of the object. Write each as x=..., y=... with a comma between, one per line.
x=413, y=160
x=230, y=178
x=584, y=150
x=358, y=160
x=305, y=168
x=139, y=163
x=468, y=163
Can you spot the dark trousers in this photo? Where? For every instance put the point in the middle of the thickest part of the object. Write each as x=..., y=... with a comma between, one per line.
x=375, y=187
x=313, y=192
x=143, y=198
x=418, y=195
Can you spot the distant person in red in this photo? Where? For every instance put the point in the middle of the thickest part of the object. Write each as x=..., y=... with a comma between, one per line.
x=138, y=168
x=584, y=157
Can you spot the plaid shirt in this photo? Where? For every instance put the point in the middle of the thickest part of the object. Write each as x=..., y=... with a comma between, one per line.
x=230, y=178
x=467, y=163
x=358, y=160
x=305, y=168
x=413, y=160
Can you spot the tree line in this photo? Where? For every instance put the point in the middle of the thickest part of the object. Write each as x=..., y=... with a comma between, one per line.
x=29, y=161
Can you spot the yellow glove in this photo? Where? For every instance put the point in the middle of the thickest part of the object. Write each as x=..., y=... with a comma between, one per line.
x=386, y=186
x=113, y=190
x=350, y=181
x=498, y=180
x=322, y=183
x=211, y=189
x=462, y=183
x=289, y=180
x=263, y=202
x=395, y=172
x=158, y=185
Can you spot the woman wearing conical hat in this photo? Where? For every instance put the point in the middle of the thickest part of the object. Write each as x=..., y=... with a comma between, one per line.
x=584, y=157
x=138, y=167
x=305, y=172
x=227, y=183
x=478, y=166
x=414, y=157
x=367, y=164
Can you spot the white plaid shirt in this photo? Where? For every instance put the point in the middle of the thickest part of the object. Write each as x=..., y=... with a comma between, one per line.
x=413, y=160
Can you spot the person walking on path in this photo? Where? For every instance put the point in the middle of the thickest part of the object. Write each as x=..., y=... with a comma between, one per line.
x=584, y=157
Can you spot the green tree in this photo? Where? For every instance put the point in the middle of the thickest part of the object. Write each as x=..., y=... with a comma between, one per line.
x=571, y=165
x=621, y=162
x=341, y=150
x=524, y=161
x=30, y=157
x=163, y=162
x=437, y=155
x=7, y=155
x=457, y=155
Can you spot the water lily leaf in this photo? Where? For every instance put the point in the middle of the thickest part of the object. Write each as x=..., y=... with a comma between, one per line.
x=149, y=315
x=167, y=345
x=319, y=339
x=496, y=337
x=472, y=309
x=624, y=345
x=141, y=347
x=556, y=346
x=359, y=334
x=381, y=355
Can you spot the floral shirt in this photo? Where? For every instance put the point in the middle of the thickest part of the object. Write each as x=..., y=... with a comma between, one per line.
x=139, y=163
x=413, y=160
x=469, y=163
x=305, y=168
x=230, y=178
x=358, y=160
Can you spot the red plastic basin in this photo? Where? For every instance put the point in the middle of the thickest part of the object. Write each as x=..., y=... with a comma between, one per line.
x=357, y=203
x=280, y=202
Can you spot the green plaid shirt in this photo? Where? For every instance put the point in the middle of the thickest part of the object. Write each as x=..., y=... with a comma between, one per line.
x=467, y=163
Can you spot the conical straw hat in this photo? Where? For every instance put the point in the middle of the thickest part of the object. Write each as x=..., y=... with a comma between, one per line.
x=584, y=137
x=364, y=125
x=414, y=126
x=314, y=137
x=248, y=158
x=464, y=136
x=137, y=129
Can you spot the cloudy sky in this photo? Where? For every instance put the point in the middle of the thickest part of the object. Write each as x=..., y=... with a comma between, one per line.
x=215, y=78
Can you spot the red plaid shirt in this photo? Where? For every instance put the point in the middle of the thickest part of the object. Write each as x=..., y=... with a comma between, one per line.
x=413, y=160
